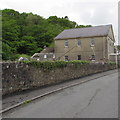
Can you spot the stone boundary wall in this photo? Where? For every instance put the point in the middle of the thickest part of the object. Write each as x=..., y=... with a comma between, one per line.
x=20, y=76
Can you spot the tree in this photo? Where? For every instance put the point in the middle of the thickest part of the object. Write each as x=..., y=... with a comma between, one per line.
x=7, y=51
x=11, y=30
x=83, y=26
x=27, y=33
x=66, y=17
x=25, y=47
x=64, y=22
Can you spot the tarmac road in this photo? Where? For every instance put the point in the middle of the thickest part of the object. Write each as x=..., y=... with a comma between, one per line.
x=94, y=99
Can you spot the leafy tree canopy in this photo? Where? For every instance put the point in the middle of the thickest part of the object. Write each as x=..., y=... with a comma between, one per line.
x=28, y=33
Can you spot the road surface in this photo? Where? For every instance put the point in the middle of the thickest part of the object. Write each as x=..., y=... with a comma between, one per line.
x=94, y=99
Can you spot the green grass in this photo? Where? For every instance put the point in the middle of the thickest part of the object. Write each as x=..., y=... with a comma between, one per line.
x=27, y=101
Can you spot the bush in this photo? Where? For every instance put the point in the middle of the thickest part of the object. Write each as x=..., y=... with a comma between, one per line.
x=111, y=63
x=54, y=64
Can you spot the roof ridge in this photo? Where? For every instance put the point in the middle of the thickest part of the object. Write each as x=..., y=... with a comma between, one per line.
x=90, y=27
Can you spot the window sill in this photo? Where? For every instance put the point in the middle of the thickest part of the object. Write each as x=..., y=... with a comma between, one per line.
x=92, y=45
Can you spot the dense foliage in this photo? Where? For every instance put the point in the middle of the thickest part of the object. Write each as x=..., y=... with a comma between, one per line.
x=28, y=33
x=49, y=65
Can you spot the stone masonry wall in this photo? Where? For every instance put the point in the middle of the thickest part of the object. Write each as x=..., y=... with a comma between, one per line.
x=20, y=76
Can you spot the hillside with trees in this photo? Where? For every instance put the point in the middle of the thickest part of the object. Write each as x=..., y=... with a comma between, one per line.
x=28, y=33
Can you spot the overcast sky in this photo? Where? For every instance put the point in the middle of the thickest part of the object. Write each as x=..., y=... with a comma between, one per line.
x=86, y=12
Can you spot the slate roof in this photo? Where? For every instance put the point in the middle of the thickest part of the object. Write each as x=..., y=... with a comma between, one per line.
x=44, y=51
x=47, y=50
x=84, y=32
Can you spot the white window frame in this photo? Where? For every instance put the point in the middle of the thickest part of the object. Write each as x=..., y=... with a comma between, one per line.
x=45, y=56
x=66, y=43
x=53, y=55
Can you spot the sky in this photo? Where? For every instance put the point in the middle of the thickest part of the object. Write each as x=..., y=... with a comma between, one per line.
x=83, y=12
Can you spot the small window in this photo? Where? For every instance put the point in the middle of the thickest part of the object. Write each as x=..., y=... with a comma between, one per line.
x=79, y=57
x=66, y=58
x=79, y=42
x=66, y=43
x=54, y=56
x=45, y=56
x=93, y=57
x=92, y=42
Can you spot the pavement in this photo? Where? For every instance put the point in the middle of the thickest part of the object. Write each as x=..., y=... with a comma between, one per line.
x=97, y=98
x=14, y=99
